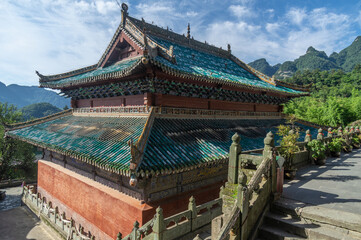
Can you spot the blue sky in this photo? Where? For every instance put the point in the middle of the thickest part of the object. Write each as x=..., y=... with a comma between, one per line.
x=55, y=36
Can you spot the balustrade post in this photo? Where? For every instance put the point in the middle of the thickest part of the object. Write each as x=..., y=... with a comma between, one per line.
x=241, y=191
x=221, y=192
x=320, y=135
x=329, y=133
x=233, y=163
x=242, y=202
x=134, y=234
x=308, y=137
x=193, y=208
x=56, y=213
x=268, y=152
x=339, y=132
x=159, y=226
x=62, y=222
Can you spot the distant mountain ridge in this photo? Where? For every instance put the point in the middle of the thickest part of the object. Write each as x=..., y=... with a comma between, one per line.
x=346, y=60
x=22, y=96
x=38, y=110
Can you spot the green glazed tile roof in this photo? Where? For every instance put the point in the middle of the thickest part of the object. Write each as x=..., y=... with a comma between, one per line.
x=172, y=144
x=118, y=68
x=102, y=140
x=181, y=143
x=203, y=64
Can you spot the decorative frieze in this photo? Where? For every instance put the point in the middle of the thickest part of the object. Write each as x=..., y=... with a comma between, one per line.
x=142, y=86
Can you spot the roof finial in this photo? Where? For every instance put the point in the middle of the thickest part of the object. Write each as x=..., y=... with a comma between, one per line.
x=189, y=31
x=124, y=13
x=229, y=47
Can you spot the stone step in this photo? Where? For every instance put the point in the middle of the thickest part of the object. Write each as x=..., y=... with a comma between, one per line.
x=288, y=223
x=307, y=229
x=341, y=219
x=271, y=233
x=328, y=233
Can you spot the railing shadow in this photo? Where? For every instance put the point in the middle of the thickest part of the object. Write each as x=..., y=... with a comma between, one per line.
x=304, y=187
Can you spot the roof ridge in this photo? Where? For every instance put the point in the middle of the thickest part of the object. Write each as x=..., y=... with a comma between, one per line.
x=183, y=74
x=39, y=120
x=114, y=38
x=137, y=149
x=178, y=38
x=253, y=71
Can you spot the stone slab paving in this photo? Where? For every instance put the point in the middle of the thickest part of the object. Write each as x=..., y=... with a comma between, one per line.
x=21, y=223
x=12, y=199
x=336, y=185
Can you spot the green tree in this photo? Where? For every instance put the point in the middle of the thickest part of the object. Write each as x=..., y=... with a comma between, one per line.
x=14, y=155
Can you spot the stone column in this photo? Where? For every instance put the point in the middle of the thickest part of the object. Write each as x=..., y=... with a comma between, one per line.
x=308, y=137
x=268, y=152
x=329, y=133
x=320, y=135
x=233, y=163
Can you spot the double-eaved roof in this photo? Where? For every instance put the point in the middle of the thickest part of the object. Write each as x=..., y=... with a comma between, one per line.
x=168, y=140
x=173, y=54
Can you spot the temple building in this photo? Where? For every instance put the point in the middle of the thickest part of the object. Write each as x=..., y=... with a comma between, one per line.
x=150, y=125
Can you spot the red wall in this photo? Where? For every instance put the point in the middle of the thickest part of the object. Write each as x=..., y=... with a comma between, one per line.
x=104, y=210
x=175, y=101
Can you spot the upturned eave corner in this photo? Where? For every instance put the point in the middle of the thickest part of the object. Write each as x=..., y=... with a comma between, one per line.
x=303, y=88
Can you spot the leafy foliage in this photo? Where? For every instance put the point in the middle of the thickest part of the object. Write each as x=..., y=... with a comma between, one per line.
x=335, y=145
x=288, y=143
x=318, y=149
x=355, y=140
x=335, y=97
x=16, y=157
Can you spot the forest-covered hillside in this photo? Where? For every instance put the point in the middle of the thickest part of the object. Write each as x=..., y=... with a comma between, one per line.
x=335, y=97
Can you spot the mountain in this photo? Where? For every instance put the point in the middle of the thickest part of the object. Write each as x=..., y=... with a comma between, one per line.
x=22, y=96
x=263, y=66
x=350, y=56
x=38, y=110
x=346, y=60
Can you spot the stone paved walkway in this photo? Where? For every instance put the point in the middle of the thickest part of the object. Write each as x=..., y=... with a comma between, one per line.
x=336, y=185
x=21, y=223
x=12, y=199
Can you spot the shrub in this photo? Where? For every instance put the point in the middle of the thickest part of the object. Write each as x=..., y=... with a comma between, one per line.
x=335, y=145
x=318, y=149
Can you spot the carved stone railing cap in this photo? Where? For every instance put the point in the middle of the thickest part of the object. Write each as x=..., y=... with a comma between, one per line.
x=236, y=138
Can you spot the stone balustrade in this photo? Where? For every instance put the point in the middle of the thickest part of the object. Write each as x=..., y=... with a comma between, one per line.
x=50, y=214
x=177, y=225
x=252, y=199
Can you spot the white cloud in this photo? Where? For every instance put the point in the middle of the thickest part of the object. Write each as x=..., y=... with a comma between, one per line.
x=280, y=40
x=191, y=14
x=296, y=15
x=52, y=36
x=272, y=28
x=55, y=36
x=104, y=7
x=240, y=11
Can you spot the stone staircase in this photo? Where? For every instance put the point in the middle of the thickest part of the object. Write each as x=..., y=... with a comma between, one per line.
x=291, y=220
